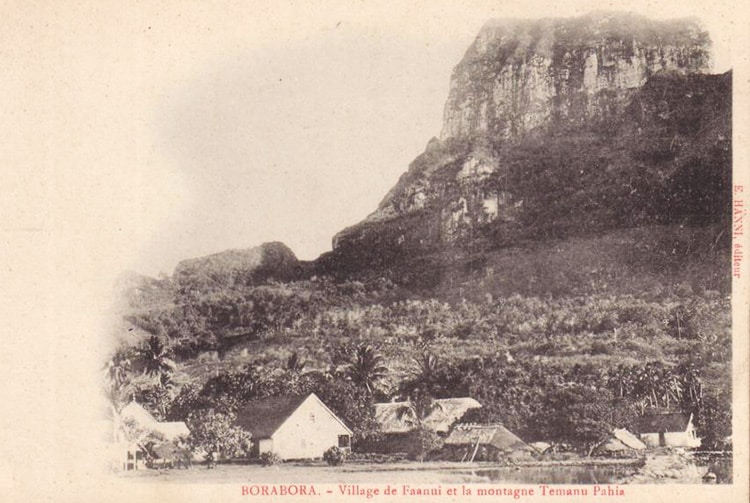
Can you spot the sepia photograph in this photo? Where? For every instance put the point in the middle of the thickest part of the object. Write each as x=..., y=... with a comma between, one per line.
x=360, y=250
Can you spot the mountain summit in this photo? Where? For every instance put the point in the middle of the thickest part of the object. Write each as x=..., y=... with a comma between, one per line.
x=557, y=128
x=519, y=75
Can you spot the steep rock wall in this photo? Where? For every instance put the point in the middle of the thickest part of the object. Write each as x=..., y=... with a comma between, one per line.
x=520, y=75
x=556, y=114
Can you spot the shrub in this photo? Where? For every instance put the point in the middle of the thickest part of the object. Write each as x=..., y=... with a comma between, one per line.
x=334, y=456
x=269, y=459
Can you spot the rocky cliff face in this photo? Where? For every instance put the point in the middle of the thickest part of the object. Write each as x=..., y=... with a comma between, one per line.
x=522, y=75
x=559, y=127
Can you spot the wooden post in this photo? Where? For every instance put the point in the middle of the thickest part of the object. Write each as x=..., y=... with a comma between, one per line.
x=476, y=448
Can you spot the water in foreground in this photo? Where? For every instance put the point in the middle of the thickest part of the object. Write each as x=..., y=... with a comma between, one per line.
x=427, y=473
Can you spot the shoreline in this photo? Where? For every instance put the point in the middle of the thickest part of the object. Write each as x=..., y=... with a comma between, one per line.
x=481, y=465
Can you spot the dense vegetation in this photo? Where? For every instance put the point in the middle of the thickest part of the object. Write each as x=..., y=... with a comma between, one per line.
x=565, y=369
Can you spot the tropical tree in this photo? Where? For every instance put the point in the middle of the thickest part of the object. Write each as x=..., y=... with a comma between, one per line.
x=417, y=408
x=425, y=368
x=295, y=363
x=621, y=381
x=424, y=374
x=352, y=403
x=119, y=366
x=689, y=374
x=214, y=432
x=414, y=413
x=118, y=377
x=156, y=397
x=155, y=358
x=367, y=368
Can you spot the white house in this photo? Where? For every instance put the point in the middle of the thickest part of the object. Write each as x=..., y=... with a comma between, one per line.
x=170, y=430
x=293, y=427
x=671, y=429
x=135, y=427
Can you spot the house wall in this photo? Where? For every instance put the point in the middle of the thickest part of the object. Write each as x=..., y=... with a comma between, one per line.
x=672, y=439
x=261, y=446
x=308, y=432
x=391, y=443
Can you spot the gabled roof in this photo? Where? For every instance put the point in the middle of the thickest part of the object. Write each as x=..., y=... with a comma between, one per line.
x=664, y=422
x=621, y=440
x=628, y=439
x=170, y=430
x=448, y=410
x=263, y=417
x=496, y=435
x=137, y=413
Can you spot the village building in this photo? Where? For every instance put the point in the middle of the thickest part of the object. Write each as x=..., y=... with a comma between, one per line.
x=541, y=447
x=397, y=429
x=620, y=443
x=293, y=427
x=484, y=442
x=139, y=436
x=668, y=429
x=444, y=414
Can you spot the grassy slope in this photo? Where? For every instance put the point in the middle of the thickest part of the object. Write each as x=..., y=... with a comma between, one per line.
x=525, y=288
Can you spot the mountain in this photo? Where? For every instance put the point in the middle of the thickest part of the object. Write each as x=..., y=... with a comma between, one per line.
x=563, y=243
x=519, y=75
x=247, y=267
x=558, y=128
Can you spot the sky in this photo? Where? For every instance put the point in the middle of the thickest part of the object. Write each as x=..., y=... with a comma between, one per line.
x=138, y=134
x=188, y=128
x=294, y=137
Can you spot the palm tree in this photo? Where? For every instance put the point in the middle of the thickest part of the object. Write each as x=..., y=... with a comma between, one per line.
x=414, y=413
x=673, y=389
x=426, y=367
x=621, y=380
x=367, y=367
x=119, y=366
x=692, y=384
x=118, y=377
x=155, y=359
x=418, y=408
x=295, y=363
x=424, y=374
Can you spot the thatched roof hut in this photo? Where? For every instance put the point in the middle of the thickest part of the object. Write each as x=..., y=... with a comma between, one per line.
x=621, y=443
x=170, y=430
x=485, y=442
x=541, y=447
x=137, y=434
x=446, y=412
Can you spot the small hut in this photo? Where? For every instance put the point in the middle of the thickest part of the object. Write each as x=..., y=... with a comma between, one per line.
x=620, y=444
x=137, y=432
x=445, y=413
x=398, y=431
x=485, y=442
x=541, y=447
